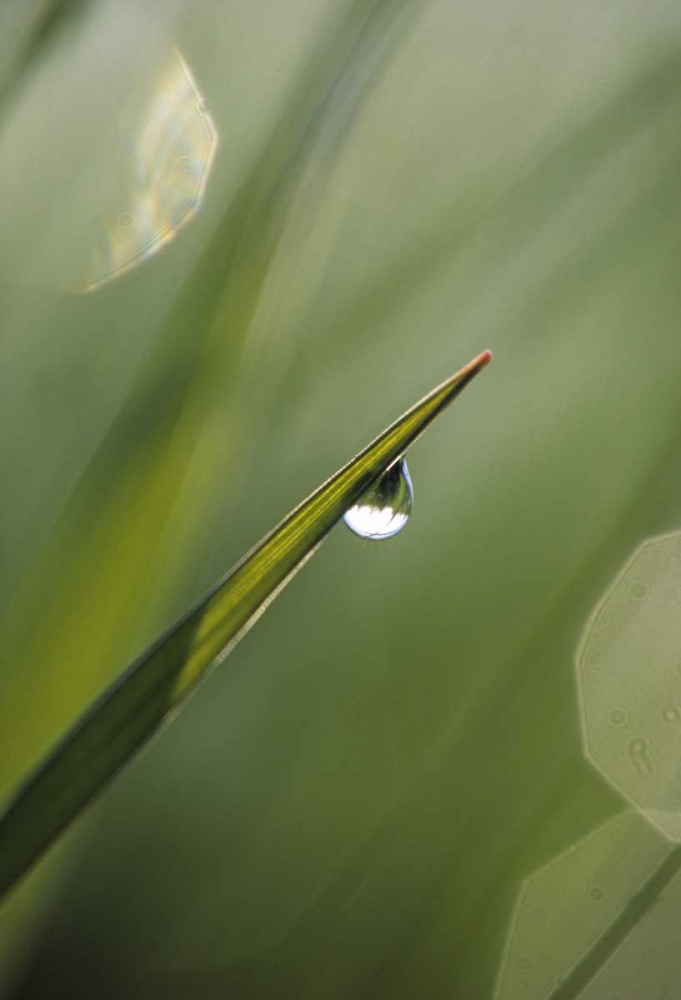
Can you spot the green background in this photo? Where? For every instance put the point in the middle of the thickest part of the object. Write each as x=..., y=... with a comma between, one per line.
x=351, y=805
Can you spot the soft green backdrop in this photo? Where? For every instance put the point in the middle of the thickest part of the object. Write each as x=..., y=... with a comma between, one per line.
x=350, y=806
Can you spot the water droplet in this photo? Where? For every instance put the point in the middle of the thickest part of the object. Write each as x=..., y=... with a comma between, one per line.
x=597, y=894
x=638, y=590
x=671, y=715
x=385, y=507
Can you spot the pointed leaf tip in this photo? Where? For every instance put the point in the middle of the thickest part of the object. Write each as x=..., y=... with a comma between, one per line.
x=154, y=686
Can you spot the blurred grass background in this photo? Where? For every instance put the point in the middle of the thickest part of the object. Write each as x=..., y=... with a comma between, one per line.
x=350, y=806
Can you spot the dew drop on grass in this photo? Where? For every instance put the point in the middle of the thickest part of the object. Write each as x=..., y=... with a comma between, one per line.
x=385, y=507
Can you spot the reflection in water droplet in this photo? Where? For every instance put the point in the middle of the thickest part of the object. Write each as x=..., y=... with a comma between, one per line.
x=671, y=715
x=385, y=507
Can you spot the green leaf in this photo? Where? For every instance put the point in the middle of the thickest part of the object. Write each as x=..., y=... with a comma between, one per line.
x=155, y=685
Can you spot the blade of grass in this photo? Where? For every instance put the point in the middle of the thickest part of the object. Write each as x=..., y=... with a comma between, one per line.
x=117, y=512
x=132, y=708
